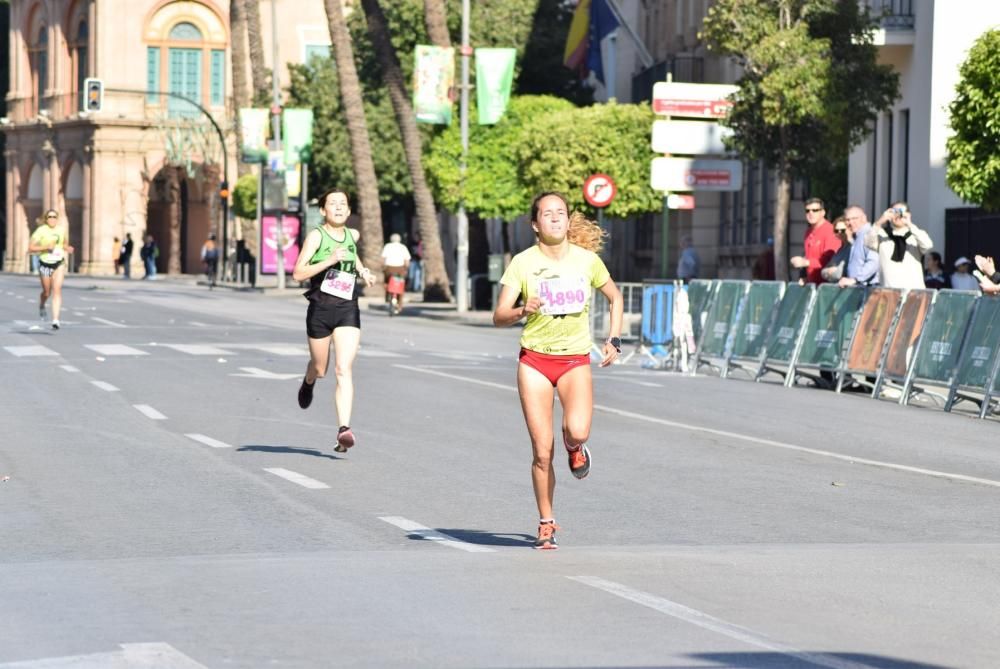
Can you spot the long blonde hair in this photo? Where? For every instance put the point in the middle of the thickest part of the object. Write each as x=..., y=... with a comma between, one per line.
x=582, y=231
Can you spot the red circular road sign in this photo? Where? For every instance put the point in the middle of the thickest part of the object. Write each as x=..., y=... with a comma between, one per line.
x=599, y=190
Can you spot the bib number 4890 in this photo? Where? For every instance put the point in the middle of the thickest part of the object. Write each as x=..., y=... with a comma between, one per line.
x=562, y=296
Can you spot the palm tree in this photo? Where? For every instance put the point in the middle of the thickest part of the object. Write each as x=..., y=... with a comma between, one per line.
x=258, y=71
x=357, y=130
x=436, y=286
x=436, y=18
x=241, y=96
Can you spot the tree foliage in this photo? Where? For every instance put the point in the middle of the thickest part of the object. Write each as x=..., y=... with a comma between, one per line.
x=245, y=197
x=973, y=163
x=493, y=188
x=558, y=151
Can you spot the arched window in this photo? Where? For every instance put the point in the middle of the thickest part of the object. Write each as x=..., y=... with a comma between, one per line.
x=187, y=63
x=78, y=53
x=38, y=61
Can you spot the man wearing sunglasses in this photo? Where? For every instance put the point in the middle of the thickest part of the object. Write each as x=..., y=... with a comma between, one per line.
x=820, y=242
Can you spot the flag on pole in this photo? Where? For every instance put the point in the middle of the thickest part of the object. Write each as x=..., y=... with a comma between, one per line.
x=254, y=126
x=296, y=134
x=433, y=79
x=592, y=21
x=494, y=76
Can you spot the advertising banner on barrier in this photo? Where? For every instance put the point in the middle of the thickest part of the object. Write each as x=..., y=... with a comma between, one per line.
x=657, y=313
x=752, y=321
x=873, y=329
x=788, y=323
x=937, y=354
x=830, y=326
x=981, y=346
x=907, y=332
x=720, y=318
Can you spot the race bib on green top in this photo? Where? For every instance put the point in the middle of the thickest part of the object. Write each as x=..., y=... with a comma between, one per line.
x=566, y=295
x=339, y=284
x=56, y=253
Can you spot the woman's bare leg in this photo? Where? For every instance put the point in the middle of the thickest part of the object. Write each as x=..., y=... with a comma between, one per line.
x=536, y=402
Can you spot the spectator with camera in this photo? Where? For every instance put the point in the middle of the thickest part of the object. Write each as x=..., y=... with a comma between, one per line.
x=989, y=277
x=901, y=246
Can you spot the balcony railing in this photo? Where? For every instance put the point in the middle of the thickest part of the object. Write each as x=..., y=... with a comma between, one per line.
x=893, y=14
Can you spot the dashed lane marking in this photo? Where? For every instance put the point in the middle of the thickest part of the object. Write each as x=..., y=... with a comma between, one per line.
x=198, y=349
x=149, y=412
x=430, y=534
x=104, y=385
x=29, y=351
x=131, y=656
x=706, y=621
x=69, y=368
x=295, y=477
x=105, y=321
x=208, y=441
x=115, y=349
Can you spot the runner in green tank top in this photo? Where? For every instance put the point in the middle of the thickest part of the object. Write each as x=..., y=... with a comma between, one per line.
x=329, y=261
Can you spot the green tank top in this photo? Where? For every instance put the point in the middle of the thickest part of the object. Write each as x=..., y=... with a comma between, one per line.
x=327, y=245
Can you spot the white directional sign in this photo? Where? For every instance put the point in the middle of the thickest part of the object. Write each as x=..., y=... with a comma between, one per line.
x=692, y=174
x=692, y=100
x=689, y=138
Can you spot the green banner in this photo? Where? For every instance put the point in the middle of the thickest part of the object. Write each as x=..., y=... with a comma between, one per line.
x=494, y=75
x=297, y=135
x=788, y=322
x=699, y=293
x=942, y=337
x=433, y=79
x=752, y=320
x=254, y=124
x=981, y=346
x=720, y=317
x=830, y=325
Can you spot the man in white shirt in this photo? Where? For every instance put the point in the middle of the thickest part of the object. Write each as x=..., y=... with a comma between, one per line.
x=396, y=262
x=962, y=279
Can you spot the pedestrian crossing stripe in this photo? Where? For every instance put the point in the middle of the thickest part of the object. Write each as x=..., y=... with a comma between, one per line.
x=115, y=349
x=228, y=349
x=198, y=349
x=29, y=351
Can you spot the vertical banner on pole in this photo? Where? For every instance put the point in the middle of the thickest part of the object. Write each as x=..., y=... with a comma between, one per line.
x=254, y=124
x=433, y=79
x=296, y=135
x=494, y=76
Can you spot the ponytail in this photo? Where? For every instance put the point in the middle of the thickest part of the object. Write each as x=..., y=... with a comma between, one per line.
x=585, y=233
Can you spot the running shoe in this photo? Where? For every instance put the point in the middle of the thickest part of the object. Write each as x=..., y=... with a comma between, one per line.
x=55, y=325
x=579, y=461
x=306, y=394
x=345, y=439
x=546, y=540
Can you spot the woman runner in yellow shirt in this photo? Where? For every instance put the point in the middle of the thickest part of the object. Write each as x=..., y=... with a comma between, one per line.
x=555, y=278
x=50, y=241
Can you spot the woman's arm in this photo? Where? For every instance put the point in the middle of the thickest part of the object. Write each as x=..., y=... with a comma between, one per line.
x=506, y=313
x=303, y=270
x=365, y=273
x=616, y=307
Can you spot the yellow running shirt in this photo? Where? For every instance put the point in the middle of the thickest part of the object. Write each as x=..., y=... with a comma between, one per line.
x=562, y=326
x=44, y=235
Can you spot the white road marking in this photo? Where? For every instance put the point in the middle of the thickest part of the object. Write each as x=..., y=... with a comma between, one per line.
x=274, y=349
x=132, y=656
x=198, y=324
x=433, y=535
x=104, y=385
x=648, y=384
x=375, y=353
x=29, y=351
x=696, y=617
x=107, y=322
x=208, y=441
x=258, y=373
x=295, y=477
x=198, y=349
x=115, y=349
x=951, y=476
x=69, y=368
x=149, y=412
x=79, y=314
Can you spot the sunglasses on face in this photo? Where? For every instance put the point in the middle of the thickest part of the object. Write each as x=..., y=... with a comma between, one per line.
x=813, y=210
x=840, y=230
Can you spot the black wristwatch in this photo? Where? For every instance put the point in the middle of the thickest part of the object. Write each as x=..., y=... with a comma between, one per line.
x=616, y=342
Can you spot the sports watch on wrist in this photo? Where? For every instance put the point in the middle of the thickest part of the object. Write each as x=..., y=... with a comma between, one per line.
x=616, y=342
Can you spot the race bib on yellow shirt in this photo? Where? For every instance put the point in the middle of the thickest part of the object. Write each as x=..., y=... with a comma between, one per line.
x=56, y=253
x=565, y=295
x=339, y=284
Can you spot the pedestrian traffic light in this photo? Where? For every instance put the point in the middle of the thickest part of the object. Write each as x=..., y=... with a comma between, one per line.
x=94, y=92
x=224, y=190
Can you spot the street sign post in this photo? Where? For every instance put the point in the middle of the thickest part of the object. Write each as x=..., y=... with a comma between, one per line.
x=693, y=174
x=679, y=201
x=705, y=101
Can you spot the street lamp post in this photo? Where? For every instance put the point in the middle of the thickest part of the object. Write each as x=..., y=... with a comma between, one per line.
x=276, y=133
x=462, y=257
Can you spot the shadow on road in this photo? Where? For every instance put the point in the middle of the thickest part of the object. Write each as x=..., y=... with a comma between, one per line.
x=288, y=449
x=769, y=660
x=484, y=538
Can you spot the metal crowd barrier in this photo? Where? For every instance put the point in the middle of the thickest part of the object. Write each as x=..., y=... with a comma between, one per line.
x=631, y=318
x=979, y=360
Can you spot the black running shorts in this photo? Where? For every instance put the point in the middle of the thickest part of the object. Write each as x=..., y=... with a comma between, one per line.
x=48, y=269
x=322, y=318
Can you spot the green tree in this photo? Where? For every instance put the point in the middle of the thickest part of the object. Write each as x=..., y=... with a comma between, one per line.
x=558, y=151
x=810, y=88
x=493, y=188
x=245, y=197
x=973, y=163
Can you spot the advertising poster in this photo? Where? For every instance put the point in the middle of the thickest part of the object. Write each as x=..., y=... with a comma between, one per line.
x=269, y=245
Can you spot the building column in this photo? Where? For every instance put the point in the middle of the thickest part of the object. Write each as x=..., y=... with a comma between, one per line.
x=17, y=245
x=90, y=262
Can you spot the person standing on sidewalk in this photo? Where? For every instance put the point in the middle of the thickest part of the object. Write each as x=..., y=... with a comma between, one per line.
x=126, y=257
x=50, y=242
x=820, y=243
x=329, y=261
x=555, y=279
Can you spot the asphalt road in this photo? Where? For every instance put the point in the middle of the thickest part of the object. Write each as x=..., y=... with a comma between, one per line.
x=165, y=503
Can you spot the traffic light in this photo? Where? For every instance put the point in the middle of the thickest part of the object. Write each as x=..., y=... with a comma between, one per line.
x=224, y=190
x=94, y=95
